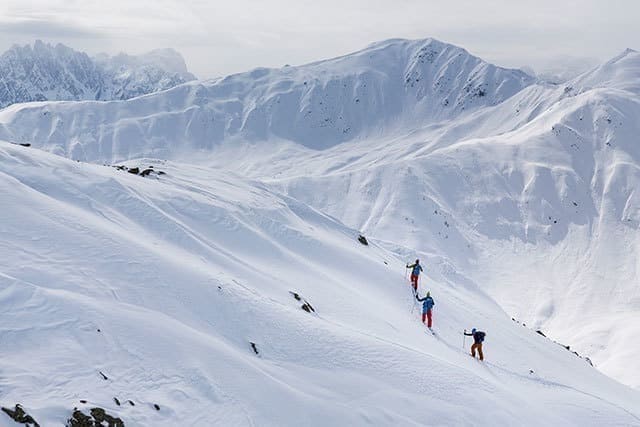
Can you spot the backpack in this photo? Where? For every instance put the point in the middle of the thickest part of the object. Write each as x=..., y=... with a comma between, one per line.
x=480, y=336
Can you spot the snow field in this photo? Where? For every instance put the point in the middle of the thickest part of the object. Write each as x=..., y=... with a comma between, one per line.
x=182, y=272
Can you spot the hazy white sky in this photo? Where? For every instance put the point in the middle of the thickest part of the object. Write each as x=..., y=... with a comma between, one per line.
x=221, y=37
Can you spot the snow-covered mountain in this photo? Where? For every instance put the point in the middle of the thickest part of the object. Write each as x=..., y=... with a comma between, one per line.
x=509, y=189
x=58, y=73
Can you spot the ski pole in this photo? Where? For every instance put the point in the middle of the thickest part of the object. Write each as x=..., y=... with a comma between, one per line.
x=463, y=337
x=413, y=306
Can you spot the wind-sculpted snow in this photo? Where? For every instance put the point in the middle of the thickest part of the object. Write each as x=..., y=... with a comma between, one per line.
x=173, y=292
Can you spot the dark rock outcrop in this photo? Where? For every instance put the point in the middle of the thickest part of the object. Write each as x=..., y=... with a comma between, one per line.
x=20, y=416
x=97, y=418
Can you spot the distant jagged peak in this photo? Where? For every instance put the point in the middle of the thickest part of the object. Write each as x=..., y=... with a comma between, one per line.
x=43, y=71
x=42, y=48
x=167, y=59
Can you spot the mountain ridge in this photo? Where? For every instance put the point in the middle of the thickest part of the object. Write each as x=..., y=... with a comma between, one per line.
x=409, y=83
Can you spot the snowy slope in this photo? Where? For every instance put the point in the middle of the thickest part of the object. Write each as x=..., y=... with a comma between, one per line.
x=44, y=72
x=527, y=190
x=161, y=283
x=545, y=209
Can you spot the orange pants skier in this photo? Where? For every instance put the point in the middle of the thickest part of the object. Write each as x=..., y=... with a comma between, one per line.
x=477, y=346
x=478, y=338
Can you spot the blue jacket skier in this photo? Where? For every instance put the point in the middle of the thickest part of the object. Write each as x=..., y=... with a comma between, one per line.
x=427, y=305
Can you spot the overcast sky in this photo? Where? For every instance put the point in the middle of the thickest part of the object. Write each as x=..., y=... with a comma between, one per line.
x=225, y=36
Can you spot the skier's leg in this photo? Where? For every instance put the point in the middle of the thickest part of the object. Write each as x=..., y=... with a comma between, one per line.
x=429, y=318
x=480, y=351
x=473, y=349
x=424, y=315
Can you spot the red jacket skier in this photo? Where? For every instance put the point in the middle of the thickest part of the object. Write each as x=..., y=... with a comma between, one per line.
x=415, y=272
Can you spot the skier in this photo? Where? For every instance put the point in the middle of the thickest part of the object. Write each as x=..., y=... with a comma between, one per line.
x=415, y=272
x=427, y=305
x=478, y=338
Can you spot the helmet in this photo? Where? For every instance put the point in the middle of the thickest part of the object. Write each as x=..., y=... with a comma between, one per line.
x=473, y=330
x=417, y=261
x=428, y=293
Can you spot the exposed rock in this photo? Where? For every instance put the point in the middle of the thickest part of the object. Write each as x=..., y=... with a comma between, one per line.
x=306, y=306
x=78, y=419
x=295, y=295
x=136, y=170
x=566, y=347
x=255, y=349
x=20, y=416
x=98, y=418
